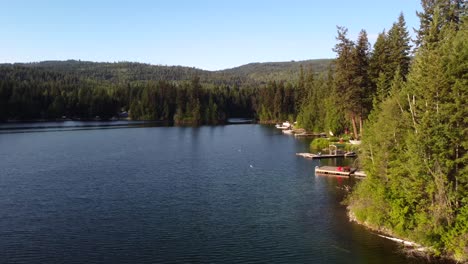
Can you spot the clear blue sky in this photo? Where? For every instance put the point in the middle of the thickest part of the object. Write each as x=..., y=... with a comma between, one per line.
x=207, y=34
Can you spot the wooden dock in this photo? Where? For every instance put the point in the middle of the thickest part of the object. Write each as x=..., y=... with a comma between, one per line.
x=326, y=156
x=339, y=171
x=359, y=174
x=304, y=134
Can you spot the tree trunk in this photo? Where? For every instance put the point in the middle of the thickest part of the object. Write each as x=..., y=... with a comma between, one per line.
x=353, y=119
x=360, y=126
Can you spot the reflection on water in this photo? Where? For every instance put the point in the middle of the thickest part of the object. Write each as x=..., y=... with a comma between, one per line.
x=30, y=127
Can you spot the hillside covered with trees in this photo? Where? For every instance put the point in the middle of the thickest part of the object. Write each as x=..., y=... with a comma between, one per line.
x=76, y=89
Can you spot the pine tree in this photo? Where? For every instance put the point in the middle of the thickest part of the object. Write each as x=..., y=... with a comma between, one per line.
x=391, y=52
x=351, y=78
x=379, y=64
x=450, y=12
x=346, y=84
x=398, y=44
x=301, y=90
x=364, y=90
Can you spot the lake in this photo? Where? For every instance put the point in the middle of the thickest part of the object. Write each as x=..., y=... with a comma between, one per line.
x=142, y=194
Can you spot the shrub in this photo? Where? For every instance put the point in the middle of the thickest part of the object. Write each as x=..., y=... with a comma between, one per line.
x=319, y=144
x=346, y=137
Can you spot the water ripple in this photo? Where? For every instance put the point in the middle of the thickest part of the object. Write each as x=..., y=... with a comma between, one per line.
x=173, y=195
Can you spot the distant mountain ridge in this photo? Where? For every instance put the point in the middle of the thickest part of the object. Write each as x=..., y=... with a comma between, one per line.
x=248, y=74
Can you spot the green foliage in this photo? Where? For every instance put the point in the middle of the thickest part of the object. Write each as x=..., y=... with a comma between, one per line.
x=249, y=75
x=277, y=102
x=319, y=144
x=37, y=93
x=391, y=54
x=353, y=89
x=399, y=48
x=456, y=237
x=449, y=12
x=257, y=73
x=351, y=147
x=345, y=137
x=368, y=203
x=414, y=148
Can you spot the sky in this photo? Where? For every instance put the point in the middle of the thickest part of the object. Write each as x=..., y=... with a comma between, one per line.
x=207, y=34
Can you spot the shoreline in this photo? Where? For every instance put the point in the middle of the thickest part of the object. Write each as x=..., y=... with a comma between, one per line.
x=409, y=247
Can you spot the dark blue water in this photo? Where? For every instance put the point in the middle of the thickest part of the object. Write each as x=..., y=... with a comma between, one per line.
x=235, y=194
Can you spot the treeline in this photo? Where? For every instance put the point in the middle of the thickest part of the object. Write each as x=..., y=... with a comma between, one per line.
x=86, y=90
x=341, y=99
x=189, y=103
x=249, y=75
x=414, y=143
x=32, y=93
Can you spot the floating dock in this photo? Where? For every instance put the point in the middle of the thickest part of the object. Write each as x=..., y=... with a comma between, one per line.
x=339, y=171
x=326, y=156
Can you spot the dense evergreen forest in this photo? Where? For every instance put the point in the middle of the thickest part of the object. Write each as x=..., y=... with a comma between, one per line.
x=86, y=90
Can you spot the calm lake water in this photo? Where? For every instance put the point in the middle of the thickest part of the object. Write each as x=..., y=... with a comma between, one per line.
x=212, y=194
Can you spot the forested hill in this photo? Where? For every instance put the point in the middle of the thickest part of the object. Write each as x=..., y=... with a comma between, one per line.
x=246, y=75
x=89, y=90
x=268, y=71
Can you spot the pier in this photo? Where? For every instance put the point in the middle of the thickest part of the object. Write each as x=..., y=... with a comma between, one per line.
x=304, y=134
x=326, y=156
x=339, y=171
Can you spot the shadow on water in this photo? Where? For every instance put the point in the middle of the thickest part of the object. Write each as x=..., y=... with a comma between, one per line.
x=35, y=127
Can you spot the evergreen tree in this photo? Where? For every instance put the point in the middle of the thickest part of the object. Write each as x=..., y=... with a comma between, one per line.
x=364, y=89
x=449, y=12
x=301, y=90
x=351, y=80
x=379, y=64
x=399, y=46
x=391, y=52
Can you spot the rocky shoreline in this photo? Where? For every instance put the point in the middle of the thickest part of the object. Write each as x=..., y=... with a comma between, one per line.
x=409, y=247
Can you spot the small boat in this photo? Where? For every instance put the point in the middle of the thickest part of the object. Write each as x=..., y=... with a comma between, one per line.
x=285, y=125
x=288, y=131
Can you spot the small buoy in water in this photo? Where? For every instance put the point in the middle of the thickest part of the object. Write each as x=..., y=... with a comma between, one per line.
x=251, y=166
